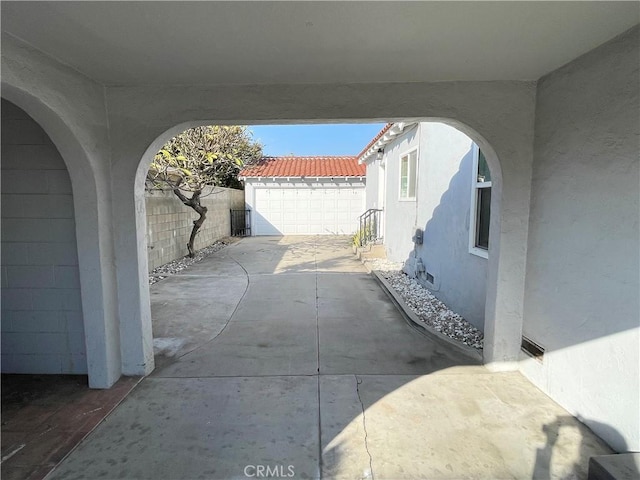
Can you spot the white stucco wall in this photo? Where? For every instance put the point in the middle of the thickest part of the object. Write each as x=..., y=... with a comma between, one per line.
x=400, y=216
x=373, y=179
x=582, y=290
x=108, y=134
x=42, y=321
x=444, y=215
x=442, y=210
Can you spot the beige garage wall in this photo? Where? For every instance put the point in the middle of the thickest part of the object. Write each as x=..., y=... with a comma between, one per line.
x=169, y=222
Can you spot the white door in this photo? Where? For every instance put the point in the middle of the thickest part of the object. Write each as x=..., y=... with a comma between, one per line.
x=307, y=210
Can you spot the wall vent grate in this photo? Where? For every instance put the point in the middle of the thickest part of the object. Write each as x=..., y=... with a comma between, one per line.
x=532, y=349
x=430, y=278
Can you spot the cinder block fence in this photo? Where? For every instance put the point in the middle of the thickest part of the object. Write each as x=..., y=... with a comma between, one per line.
x=169, y=222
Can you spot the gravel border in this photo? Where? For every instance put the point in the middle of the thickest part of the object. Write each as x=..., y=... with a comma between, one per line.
x=431, y=311
x=428, y=309
x=175, y=266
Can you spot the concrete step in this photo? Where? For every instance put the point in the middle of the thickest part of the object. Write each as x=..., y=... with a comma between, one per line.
x=623, y=466
x=371, y=251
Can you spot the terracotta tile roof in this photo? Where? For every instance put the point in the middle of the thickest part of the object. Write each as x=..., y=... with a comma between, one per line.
x=375, y=139
x=323, y=166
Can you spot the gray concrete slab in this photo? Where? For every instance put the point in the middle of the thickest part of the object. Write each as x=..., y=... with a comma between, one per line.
x=363, y=305
x=269, y=255
x=300, y=254
x=212, y=428
x=622, y=466
x=344, y=449
x=470, y=426
x=188, y=311
x=221, y=263
x=379, y=345
x=283, y=287
x=271, y=347
x=314, y=368
x=349, y=285
x=253, y=310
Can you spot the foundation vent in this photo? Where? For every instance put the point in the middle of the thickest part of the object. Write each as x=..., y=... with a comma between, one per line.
x=532, y=349
x=430, y=278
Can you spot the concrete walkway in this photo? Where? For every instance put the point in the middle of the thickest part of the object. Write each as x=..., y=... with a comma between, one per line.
x=283, y=358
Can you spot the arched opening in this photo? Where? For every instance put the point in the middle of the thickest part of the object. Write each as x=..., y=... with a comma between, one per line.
x=42, y=317
x=95, y=275
x=370, y=398
x=484, y=308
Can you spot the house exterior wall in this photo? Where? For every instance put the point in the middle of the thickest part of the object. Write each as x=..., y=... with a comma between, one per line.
x=400, y=217
x=169, y=222
x=42, y=321
x=373, y=185
x=442, y=210
x=581, y=297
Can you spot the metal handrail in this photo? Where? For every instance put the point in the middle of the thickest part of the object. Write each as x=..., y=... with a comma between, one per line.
x=370, y=226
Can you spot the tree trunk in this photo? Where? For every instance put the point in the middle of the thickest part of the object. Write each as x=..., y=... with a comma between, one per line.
x=193, y=202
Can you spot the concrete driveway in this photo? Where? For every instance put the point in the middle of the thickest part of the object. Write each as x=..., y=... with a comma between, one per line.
x=281, y=357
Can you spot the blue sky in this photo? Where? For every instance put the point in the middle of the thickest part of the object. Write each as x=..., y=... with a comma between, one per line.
x=303, y=140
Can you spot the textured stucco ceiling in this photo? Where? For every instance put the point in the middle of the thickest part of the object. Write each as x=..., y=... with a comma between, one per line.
x=175, y=43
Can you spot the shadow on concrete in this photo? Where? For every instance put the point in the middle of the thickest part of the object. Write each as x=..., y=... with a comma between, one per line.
x=580, y=440
x=315, y=369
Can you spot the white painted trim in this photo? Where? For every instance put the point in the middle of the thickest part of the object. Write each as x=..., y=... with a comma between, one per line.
x=288, y=178
x=395, y=130
x=473, y=213
x=480, y=252
x=406, y=153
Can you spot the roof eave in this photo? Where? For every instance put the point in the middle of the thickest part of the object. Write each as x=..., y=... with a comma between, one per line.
x=396, y=129
x=292, y=177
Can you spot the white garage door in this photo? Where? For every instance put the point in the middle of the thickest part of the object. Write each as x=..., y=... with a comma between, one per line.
x=308, y=211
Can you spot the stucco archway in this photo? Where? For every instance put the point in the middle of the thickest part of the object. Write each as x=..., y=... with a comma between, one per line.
x=502, y=335
x=498, y=340
x=93, y=241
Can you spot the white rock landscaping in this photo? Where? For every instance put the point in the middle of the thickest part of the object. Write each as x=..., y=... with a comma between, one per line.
x=171, y=268
x=428, y=308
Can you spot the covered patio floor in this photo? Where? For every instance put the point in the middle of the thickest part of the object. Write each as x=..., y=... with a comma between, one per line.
x=282, y=356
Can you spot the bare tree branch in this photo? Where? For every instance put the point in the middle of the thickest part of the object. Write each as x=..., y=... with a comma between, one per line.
x=200, y=157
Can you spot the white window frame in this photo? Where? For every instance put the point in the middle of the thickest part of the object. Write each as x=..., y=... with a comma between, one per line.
x=415, y=175
x=473, y=222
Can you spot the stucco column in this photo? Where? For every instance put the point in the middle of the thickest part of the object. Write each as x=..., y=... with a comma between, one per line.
x=510, y=196
x=129, y=225
x=70, y=108
x=505, y=281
